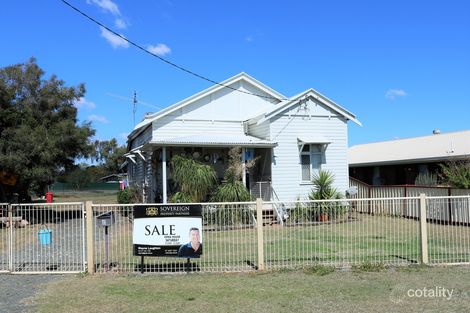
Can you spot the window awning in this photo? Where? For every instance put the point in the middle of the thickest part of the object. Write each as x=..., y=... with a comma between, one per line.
x=313, y=140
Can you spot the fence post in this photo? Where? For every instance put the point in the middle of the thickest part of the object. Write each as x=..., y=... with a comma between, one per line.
x=259, y=228
x=423, y=229
x=10, y=238
x=449, y=205
x=90, y=242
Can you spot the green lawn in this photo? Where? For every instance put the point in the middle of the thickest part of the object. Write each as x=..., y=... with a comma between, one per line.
x=285, y=291
x=105, y=197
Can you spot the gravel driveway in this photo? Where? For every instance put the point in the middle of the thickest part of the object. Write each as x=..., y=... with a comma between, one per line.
x=16, y=289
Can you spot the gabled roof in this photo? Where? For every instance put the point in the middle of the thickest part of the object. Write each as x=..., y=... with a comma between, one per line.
x=185, y=102
x=432, y=148
x=285, y=105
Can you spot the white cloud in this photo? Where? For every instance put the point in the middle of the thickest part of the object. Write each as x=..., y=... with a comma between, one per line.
x=249, y=38
x=160, y=49
x=120, y=23
x=391, y=94
x=83, y=103
x=114, y=40
x=97, y=118
x=106, y=5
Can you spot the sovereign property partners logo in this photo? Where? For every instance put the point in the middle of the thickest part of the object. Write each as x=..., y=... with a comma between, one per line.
x=401, y=294
x=151, y=211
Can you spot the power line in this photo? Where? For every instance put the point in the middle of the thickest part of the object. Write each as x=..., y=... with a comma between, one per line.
x=163, y=59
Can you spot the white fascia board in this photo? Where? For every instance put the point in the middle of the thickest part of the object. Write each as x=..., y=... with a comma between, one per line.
x=325, y=100
x=316, y=95
x=138, y=130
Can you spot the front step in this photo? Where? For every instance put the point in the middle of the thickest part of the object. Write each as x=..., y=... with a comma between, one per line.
x=269, y=215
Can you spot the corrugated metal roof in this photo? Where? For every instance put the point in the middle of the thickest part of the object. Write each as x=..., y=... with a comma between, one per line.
x=219, y=140
x=436, y=147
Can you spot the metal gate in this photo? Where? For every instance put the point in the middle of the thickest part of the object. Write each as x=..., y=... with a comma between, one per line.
x=42, y=238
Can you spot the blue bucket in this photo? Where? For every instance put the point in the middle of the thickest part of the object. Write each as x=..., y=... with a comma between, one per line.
x=45, y=236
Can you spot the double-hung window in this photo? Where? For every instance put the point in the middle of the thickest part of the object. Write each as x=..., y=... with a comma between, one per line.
x=310, y=161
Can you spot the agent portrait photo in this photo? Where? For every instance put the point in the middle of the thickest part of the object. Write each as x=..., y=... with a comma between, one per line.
x=192, y=249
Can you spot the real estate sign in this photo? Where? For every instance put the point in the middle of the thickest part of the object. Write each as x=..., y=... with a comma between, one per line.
x=162, y=229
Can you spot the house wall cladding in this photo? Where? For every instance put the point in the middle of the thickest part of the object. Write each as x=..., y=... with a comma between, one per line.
x=170, y=126
x=286, y=173
x=260, y=131
x=143, y=138
x=226, y=104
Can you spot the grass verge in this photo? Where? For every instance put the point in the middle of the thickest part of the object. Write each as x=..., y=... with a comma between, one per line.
x=296, y=291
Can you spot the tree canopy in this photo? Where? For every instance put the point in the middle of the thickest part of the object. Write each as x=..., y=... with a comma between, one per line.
x=40, y=134
x=109, y=154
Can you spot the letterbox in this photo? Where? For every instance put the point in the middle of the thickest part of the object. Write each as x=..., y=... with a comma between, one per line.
x=106, y=219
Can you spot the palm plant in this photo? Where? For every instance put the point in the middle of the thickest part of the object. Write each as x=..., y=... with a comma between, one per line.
x=194, y=179
x=232, y=189
x=323, y=186
x=323, y=190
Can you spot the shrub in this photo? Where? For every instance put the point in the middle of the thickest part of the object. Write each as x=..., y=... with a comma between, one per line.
x=181, y=197
x=128, y=195
x=319, y=269
x=232, y=191
x=427, y=179
x=457, y=173
x=369, y=267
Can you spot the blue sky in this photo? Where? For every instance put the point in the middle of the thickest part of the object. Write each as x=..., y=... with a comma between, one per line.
x=403, y=67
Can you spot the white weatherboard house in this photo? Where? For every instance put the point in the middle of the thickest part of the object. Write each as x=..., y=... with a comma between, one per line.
x=293, y=138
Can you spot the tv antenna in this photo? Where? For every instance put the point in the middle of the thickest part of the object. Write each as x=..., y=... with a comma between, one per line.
x=135, y=105
x=134, y=102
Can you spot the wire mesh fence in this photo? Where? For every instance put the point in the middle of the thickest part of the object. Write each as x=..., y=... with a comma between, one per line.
x=50, y=238
x=47, y=238
x=336, y=233
x=229, y=241
x=448, y=229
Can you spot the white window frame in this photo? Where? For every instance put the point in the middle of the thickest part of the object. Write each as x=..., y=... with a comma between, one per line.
x=318, y=153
